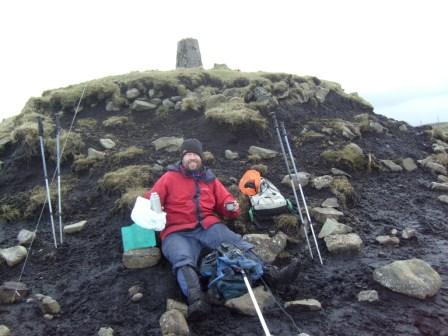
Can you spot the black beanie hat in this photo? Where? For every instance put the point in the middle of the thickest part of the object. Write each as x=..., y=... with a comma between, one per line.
x=191, y=146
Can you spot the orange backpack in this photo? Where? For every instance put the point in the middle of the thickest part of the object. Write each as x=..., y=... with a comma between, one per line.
x=250, y=182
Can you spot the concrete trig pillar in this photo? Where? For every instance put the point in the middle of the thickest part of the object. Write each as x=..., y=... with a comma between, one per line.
x=188, y=54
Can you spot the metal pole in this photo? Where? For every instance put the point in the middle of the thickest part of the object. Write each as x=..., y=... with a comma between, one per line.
x=282, y=124
x=254, y=301
x=58, y=169
x=42, y=150
x=296, y=198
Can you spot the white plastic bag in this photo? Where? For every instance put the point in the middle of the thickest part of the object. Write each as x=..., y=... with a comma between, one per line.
x=143, y=215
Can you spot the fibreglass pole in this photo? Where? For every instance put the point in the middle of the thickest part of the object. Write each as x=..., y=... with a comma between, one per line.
x=58, y=169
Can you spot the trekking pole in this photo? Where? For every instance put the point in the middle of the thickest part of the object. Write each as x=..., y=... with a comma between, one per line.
x=58, y=169
x=42, y=150
x=293, y=186
x=282, y=124
x=254, y=301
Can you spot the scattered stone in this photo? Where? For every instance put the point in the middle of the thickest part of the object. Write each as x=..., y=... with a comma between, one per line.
x=106, y=331
x=141, y=258
x=136, y=297
x=408, y=233
x=110, y=107
x=156, y=101
x=338, y=172
x=12, y=291
x=92, y=153
x=433, y=166
x=267, y=248
x=76, y=227
x=264, y=153
x=13, y=255
x=132, y=93
x=392, y=166
x=340, y=243
x=439, y=186
x=244, y=305
x=321, y=182
x=180, y=306
x=229, y=155
x=301, y=178
x=107, y=143
x=142, y=105
x=134, y=290
x=4, y=330
x=442, y=178
x=48, y=305
x=307, y=305
x=409, y=164
x=376, y=126
x=169, y=144
x=25, y=237
x=388, y=240
x=173, y=322
x=168, y=103
x=330, y=203
x=368, y=295
x=412, y=277
x=332, y=227
x=443, y=198
x=394, y=232
x=208, y=158
x=322, y=214
x=403, y=128
x=48, y=317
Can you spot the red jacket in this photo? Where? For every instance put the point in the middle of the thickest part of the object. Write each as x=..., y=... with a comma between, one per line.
x=189, y=200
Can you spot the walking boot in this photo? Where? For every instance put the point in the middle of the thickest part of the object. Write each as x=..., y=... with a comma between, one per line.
x=198, y=308
x=275, y=276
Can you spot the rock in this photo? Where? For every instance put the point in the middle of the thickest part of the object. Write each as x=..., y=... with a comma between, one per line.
x=376, y=126
x=208, y=158
x=110, y=107
x=48, y=305
x=136, y=297
x=4, y=330
x=301, y=178
x=368, y=295
x=106, y=331
x=188, y=54
x=263, y=153
x=48, y=317
x=403, y=128
x=76, y=227
x=321, y=182
x=141, y=258
x=156, y=101
x=343, y=243
x=25, y=237
x=394, y=232
x=412, y=277
x=443, y=198
x=169, y=144
x=92, y=153
x=442, y=178
x=180, y=306
x=168, y=103
x=332, y=227
x=330, y=203
x=12, y=291
x=338, y=172
x=172, y=322
x=244, y=305
x=142, y=105
x=229, y=155
x=433, y=166
x=409, y=164
x=351, y=155
x=392, y=166
x=303, y=305
x=408, y=233
x=439, y=186
x=388, y=240
x=322, y=214
x=134, y=290
x=265, y=247
x=107, y=143
x=13, y=255
x=132, y=93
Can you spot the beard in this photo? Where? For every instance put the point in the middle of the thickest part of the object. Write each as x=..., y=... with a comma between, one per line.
x=192, y=165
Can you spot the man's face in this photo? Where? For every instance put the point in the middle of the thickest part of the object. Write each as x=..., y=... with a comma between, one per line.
x=191, y=161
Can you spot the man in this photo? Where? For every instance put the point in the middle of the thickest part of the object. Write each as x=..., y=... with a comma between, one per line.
x=191, y=196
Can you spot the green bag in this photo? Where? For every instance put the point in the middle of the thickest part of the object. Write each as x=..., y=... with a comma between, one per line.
x=136, y=237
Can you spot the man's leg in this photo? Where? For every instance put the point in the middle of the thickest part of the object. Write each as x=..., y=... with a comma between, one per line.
x=220, y=233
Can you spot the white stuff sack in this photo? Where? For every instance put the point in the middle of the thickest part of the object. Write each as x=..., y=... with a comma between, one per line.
x=143, y=215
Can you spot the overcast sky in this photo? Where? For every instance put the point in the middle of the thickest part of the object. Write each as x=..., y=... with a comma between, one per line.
x=393, y=53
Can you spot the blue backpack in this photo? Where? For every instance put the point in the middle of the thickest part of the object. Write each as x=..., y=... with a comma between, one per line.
x=222, y=268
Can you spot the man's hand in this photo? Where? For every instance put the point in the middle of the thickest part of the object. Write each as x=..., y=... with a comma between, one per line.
x=232, y=206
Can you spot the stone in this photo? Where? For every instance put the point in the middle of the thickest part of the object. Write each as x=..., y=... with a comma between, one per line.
x=303, y=305
x=92, y=153
x=332, y=227
x=142, y=105
x=136, y=297
x=172, y=322
x=13, y=255
x=341, y=243
x=12, y=291
x=322, y=214
x=188, y=54
x=433, y=166
x=4, y=330
x=388, y=240
x=368, y=295
x=76, y=227
x=169, y=144
x=301, y=178
x=267, y=248
x=413, y=277
x=443, y=198
x=244, y=304
x=229, y=155
x=409, y=164
x=106, y=331
x=321, y=182
x=48, y=317
x=394, y=232
x=403, y=128
x=339, y=172
x=376, y=126
x=408, y=233
x=132, y=93
x=392, y=166
x=263, y=153
x=134, y=290
x=141, y=258
x=25, y=237
x=330, y=203
x=168, y=103
x=110, y=107
x=107, y=143
x=439, y=186
x=208, y=158
x=442, y=178
x=180, y=306
x=156, y=101
x=48, y=305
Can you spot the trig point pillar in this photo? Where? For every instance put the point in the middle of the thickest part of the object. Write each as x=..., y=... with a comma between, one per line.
x=188, y=54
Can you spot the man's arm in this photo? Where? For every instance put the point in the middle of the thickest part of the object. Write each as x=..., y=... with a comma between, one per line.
x=223, y=198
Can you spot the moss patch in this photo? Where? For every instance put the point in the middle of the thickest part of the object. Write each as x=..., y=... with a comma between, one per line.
x=124, y=178
x=127, y=200
x=83, y=163
x=128, y=154
x=348, y=156
x=115, y=121
x=70, y=146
